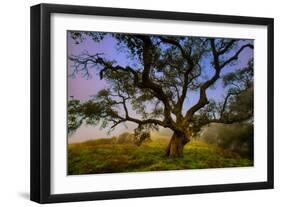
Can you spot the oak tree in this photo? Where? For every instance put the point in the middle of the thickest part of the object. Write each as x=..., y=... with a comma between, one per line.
x=153, y=90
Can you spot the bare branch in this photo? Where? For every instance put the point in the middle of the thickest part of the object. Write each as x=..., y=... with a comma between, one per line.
x=235, y=56
x=225, y=49
x=177, y=44
x=225, y=103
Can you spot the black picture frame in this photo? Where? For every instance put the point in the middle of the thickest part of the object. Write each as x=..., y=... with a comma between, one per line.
x=41, y=96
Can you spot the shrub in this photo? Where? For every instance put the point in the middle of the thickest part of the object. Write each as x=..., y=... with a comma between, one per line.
x=235, y=137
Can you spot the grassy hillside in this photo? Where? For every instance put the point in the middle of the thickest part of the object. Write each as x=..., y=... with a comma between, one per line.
x=105, y=156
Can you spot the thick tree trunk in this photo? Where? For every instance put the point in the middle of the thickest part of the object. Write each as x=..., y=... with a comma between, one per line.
x=176, y=145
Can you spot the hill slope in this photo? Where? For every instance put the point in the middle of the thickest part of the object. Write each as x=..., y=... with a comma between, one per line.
x=105, y=156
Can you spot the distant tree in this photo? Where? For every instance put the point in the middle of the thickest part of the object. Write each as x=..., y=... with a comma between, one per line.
x=237, y=137
x=156, y=85
x=125, y=138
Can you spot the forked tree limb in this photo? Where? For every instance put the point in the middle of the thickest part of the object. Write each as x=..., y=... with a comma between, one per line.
x=203, y=100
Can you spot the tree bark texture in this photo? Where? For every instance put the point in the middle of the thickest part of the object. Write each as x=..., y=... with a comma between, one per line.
x=176, y=144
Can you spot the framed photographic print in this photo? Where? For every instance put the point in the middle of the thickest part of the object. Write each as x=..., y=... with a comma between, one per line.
x=133, y=103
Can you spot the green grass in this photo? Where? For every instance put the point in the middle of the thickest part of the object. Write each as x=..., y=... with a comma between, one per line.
x=104, y=156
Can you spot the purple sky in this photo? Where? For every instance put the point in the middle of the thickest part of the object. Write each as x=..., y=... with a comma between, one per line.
x=82, y=88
